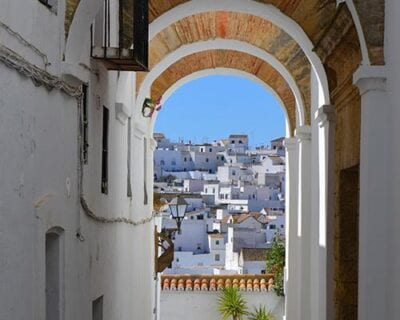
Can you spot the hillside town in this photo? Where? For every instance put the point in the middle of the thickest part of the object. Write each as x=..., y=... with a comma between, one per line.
x=235, y=202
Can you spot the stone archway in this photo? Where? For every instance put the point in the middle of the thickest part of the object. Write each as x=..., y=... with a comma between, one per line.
x=225, y=71
x=144, y=83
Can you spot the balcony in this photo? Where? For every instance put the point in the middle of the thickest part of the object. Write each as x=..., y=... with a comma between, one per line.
x=119, y=35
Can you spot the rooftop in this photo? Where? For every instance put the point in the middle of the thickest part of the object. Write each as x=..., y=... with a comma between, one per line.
x=240, y=217
x=253, y=254
x=216, y=235
x=238, y=136
x=278, y=139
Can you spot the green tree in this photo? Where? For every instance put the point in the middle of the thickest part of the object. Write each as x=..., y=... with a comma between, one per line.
x=261, y=313
x=276, y=262
x=232, y=304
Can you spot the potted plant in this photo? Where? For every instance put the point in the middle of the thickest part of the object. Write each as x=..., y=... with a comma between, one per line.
x=231, y=304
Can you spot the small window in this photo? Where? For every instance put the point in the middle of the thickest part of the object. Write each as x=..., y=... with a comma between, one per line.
x=184, y=159
x=104, y=157
x=207, y=160
x=85, y=124
x=217, y=242
x=162, y=162
x=97, y=309
x=217, y=258
x=233, y=172
x=129, y=142
x=233, y=141
x=210, y=150
x=177, y=259
x=262, y=271
x=145, y=195
x=240, y=142
x=272, y=227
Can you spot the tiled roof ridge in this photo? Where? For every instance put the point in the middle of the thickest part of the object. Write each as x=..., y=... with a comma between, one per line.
x=244, y=282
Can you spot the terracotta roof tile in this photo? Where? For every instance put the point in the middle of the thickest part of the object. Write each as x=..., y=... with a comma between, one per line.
x=245, y=282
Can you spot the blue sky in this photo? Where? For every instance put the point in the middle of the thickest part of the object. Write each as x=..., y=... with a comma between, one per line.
x=213, y=107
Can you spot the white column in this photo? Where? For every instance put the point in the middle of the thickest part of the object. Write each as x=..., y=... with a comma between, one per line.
x=303, y=135
x=292, y=276
x=325, y=116
x=374, y=208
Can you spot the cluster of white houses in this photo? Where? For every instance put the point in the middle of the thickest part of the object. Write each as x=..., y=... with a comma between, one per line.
x=235, y=202
x=77, y=236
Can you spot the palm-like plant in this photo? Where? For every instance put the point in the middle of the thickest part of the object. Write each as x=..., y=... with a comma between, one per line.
x=232, y=304
x=261, y=313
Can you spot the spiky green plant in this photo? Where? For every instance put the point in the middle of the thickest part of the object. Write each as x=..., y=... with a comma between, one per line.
x=261, y=313
x=232, y=304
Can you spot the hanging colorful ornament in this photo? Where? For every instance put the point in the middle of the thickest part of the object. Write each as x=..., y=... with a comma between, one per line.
x=150, y=106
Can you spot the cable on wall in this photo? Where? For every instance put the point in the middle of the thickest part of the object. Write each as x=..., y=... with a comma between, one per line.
x=40, y=77
x=25, y=43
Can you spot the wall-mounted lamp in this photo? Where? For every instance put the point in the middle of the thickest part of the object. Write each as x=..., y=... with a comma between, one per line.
x=163, y=239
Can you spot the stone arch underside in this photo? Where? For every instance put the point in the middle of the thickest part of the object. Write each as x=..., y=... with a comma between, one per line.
x=315, y=16
x=227, y=72
x=237, y=26
x=229, y=59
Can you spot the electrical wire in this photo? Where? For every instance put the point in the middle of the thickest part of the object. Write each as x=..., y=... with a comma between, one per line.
x=41, y=77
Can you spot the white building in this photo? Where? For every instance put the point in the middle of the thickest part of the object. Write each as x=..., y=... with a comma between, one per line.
x=244, y=231
x=77, y=228
x=252, y=260
x=193, y=185
x=234, y=172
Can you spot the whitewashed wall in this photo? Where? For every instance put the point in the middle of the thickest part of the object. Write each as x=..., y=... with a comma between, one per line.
x=39, y=178
x=198, y=305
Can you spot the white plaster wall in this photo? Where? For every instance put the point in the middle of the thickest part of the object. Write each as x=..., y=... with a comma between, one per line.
x=193, y=235
x=252, y=267
x=38, y=190
x=278, y=222
x=38, y=141
x=392, y=52
x=188, y=262
x=191, y=185
x=204, y=305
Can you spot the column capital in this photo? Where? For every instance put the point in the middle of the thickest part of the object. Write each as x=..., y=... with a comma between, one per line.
x=303, y=133
x=325, y=114
x=290, y=143
x=370, y=78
